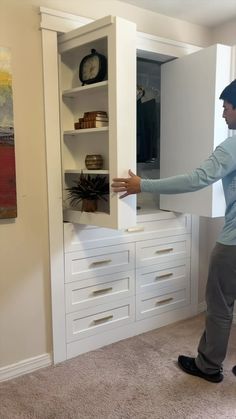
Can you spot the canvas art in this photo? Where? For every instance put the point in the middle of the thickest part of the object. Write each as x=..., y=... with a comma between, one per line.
x=8, y=204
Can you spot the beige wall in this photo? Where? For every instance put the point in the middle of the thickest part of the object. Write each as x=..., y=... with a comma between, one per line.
x=225, y=34
x=25, y=318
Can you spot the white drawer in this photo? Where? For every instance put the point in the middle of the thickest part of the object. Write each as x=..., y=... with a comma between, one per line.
x=148, y=305
x=160, y=224
x=156, y=251
x=168, y=276
x=85, y=323
x=96, y=262
x=100, y=290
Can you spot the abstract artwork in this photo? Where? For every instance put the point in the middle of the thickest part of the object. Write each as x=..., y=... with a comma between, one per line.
x=8, y=204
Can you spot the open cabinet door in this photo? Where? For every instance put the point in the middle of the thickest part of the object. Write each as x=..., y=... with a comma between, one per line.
x=113, y=96
x=192, y=124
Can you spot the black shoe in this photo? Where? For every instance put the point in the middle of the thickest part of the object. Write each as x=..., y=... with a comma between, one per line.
x=188, y=365
x=234, y=370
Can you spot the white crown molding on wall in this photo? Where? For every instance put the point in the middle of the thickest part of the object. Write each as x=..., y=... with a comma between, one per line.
x=57, y=21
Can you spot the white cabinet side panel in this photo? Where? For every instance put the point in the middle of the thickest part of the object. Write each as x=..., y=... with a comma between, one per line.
x=122, y=116
x=52, y=131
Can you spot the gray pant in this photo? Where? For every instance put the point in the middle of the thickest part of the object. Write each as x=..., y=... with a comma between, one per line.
x=220, y=296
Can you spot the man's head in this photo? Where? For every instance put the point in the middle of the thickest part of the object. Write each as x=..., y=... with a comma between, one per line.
x=229, y=97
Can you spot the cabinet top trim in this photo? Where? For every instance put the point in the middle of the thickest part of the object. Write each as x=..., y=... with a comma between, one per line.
x=93, y=26
x=62, y=22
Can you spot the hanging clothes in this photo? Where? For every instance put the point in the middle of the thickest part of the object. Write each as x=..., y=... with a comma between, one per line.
x=148, y=130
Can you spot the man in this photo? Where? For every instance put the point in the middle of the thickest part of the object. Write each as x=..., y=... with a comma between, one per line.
x=221, y=285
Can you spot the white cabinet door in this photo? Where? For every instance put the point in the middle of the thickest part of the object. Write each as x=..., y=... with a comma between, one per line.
x=116, y=39
x=192, y=124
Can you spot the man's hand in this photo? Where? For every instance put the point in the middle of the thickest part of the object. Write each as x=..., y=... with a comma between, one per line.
x=130, y=185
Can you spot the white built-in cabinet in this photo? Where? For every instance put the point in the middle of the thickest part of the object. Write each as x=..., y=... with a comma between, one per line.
x=119, y=283
x=118, y=272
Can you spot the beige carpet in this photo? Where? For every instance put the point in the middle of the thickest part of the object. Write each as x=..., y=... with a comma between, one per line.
x=135, y=378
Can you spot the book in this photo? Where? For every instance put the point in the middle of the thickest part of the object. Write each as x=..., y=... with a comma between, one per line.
x=90, y=124
x=90, y=118
x=93, y=124
x=97, y=118
x=94, y=114
x=94, y=119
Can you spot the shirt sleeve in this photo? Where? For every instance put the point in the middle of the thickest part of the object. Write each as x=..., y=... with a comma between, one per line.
x=218, y=165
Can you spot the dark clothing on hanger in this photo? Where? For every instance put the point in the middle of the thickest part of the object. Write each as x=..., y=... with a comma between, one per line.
x=148, y=130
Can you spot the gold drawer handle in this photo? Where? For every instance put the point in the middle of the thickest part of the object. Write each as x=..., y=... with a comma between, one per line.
x=101, y=262
x=134, y=229
x=167, y=300
x=96, y=292
x=103, y=319
x=168, y=275
x=167, y=250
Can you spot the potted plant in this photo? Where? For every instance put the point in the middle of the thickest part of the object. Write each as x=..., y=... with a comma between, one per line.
x=88, y=189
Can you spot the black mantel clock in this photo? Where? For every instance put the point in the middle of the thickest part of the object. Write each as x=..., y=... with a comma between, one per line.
x=93, y=68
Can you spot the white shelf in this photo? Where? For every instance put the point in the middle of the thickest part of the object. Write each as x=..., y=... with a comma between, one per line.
x=89, y=218
x=71, y=93
x=76, y=132
x=86, y=171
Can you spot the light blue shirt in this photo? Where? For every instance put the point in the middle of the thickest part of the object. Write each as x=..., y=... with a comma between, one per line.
x=220, y=165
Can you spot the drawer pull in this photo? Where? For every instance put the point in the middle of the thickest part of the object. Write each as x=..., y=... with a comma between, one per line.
x=167, y=300
x=103, y=319
x=167, y=250
x=102, y=291
x=101, y=262
x=134, y=229
x=168, y=275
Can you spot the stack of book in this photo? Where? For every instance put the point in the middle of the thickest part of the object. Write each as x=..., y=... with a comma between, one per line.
x=95, y=119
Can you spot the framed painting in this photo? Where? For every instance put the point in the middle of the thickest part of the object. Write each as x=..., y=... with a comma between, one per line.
x=8, y=203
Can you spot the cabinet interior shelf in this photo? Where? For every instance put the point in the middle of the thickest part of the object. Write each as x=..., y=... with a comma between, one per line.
x=71, y=93
x=85, y=131
x=86, y=171
x=72, y=215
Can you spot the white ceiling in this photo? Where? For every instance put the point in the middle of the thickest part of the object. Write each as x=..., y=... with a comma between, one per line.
x=202, y=12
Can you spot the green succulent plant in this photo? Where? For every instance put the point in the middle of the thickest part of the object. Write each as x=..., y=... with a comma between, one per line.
x=88, y=187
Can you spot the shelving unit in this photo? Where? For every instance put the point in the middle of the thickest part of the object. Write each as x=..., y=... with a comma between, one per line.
x=108, y=96
x=77, y=143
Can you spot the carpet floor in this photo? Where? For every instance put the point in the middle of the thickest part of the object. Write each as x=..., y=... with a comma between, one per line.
x=134, y=378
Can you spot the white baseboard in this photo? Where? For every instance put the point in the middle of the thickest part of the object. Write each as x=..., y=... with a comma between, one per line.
x=25, y=367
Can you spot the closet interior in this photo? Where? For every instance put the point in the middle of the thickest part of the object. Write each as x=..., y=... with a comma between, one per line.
x=148, y=127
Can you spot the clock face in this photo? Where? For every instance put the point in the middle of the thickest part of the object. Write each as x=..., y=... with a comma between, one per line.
x=90, y=68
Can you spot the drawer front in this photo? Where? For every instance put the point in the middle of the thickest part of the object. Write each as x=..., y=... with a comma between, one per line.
x=162, y=250
x=148, y=305
x=168, y=276
x=97, y=262
x=100, y=290
x=85, y=323
x=161, y=224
